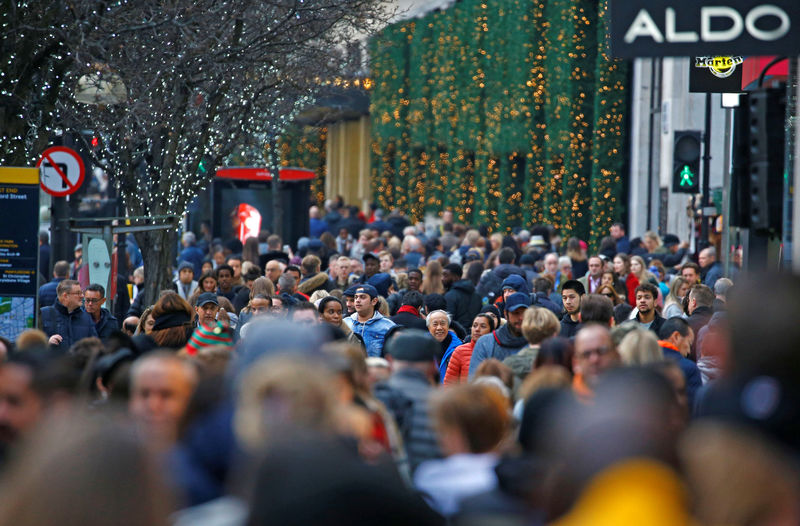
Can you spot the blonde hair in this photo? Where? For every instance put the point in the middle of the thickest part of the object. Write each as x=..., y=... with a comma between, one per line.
x=539, y=324
x=639, y=347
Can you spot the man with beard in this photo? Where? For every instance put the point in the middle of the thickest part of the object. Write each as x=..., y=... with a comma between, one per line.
x=647, y=317
x=505, y=341
x=571, y=294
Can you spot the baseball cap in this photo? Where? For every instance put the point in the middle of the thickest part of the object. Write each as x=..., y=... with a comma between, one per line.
x=207, y=297
x=366, y=288
x=350, y=291
x=518, y=300
x=513, y=281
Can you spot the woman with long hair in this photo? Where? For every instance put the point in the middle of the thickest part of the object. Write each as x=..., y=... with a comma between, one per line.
x=250, y=250
x=173, y=321
x=609, y=292
x=432, y=278
x=673, y=305
x=458, y=368
x=577, y=253
x=622, y=266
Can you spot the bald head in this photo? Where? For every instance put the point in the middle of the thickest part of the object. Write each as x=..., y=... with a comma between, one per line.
x=313, y=212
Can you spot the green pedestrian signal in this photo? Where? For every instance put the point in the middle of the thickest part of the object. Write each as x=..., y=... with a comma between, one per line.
x=686, y=162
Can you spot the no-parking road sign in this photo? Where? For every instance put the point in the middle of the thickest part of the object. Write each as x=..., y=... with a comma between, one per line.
x=62, y=171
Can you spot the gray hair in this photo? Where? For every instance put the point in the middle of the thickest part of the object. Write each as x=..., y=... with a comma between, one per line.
x=438, y=311
x=722, y=286
x=189, y=238
x=286, y=282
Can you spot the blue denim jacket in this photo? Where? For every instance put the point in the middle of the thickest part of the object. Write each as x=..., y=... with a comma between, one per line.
x=373, y=331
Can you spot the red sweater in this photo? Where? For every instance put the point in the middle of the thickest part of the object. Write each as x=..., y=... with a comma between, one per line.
x=458, y=368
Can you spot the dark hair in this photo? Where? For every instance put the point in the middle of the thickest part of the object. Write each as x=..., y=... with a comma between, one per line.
x=703, y=294
x=486, y=316
x=224, y=266
x=96, y=287
x=61, y=269
x=621, y=313
x=474, y=272
x=415, y=271
x=413, y=298
x=673, y=324
x=303, y=305
x=574, y=284
x=327, y=299
x=506, y=255
x=555, y=351
x=596, y=308
x=292, y=268
x=647, y=287
x=435, y=302
x=66, y=286
x=454, y=268
x=541, y=284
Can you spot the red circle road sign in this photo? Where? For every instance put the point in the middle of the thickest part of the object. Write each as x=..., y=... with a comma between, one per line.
x=62, y=171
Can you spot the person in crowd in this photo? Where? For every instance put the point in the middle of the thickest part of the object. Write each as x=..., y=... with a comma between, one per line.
x=609, y=292
x=235, y=263
x=710, y=268
x=463, y=303
x=104, y=323
x=538, y=325
x=594, y=355
x=622, y=267
x=676, y=338
x=313, y=278
x=47, y=292
x=408, y=315
x=571, y=293
x=690, y=271
x=432, y=281
x=639, y=270
x=506, y=340
x=438, y=323
x=673, y=304
x=407, y=392
x=701, y=301
x=366, y=321
x=646, y=315
x=65, y=322
x=490, y=285
x=653, y=243
x=372, y=266
x=225, y=282
x=576, y=252
x=640, y=347
x=592, y=280
x=185, y=285
x=471, y=422
x=458, y=368
x=619, y=235
x=172, y=324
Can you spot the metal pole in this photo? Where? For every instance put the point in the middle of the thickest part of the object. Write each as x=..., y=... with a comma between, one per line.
x=726, y=192
x=706, y=199
x=277, y=203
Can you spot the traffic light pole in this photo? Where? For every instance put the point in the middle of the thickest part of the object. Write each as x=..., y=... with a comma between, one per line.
x=705, y=202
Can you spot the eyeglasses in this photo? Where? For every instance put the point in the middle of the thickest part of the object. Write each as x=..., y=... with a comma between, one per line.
x=92, y=300
x=600, y=351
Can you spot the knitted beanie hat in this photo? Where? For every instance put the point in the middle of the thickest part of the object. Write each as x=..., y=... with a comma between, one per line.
x=206, y=335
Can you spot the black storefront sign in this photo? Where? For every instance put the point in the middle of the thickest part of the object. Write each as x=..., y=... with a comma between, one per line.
x=716, y=74
x=678, y=28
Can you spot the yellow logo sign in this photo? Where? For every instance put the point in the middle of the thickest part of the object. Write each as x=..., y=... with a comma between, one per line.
x=721, y=67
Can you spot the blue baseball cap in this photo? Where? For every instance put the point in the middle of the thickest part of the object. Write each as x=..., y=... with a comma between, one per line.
x=366, y=288
x=518, y=300
x=515, y=282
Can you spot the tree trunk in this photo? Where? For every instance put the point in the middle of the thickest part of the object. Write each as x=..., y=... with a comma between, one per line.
x=156, y=247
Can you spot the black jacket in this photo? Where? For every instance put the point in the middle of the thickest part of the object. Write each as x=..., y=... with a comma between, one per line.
x=407, y=319
x=658, y=321
x=106, y=325
x=491, y=282
x=462, y=302
x=569, y=328
x=540, y=299
x=71, y=326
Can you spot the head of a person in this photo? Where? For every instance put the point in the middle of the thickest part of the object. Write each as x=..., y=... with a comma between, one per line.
x=274, y=242
x=69, y=294
x=617, y=230
x=551, y=263
x=622, y=264
x=513, y=283
x=93, y=298
x=225, y=277
x=260, y=304
x=331, y=310
x=207, y=307
x=516, y=305
x=305, y=312
x=61, y=269
x=542, y=284
x=412, y=349
x=294, y=271
x=185, y=272
x=208, y=282
x=637, y=265
x=365, y=300
x=414, y=279
x=595, y=267
x=677, y=331
x=287, y=283
x=273, y=270
x=470, y=418
x=414, y=299
x=235, y=262
x=596, y=308
x=571, y=293
x=342, y=268
x=22, y=403
x=451, y=273
x=690, y=271
x=161, y=386
x=722, y=287
x=310, y=265
x=482, y=324
x=539, y=324
x=372, y=264
x=651, y=240
x=707, y=257
x=679, y=288
x=640, y=347
x=385, y=261
x=700, y=296
x=506, y=256
x=565, y=266
x=594, y=352
x=646, y=294
x=172, y=320
x=438, y=323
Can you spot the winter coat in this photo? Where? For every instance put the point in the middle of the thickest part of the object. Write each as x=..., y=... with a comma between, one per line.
x=694, y=381
x=71, y=326
x=406, y=317
x=318, y=281
x=462, y=302
x=105, y=325
x=372, y=331
x=406, y=395
x=498, y=344
x=47, y=292
x=458, y=368
x=522, y=362
x=540, y=299
x=178, y=287
x=448, y=353
x=569, y=328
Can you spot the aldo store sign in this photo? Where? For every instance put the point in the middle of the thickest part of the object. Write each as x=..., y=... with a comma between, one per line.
x=681, y=28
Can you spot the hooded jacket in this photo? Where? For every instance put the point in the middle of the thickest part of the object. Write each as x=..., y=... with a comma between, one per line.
x=499, y=344
x=372, y=331
x=71, y=326
x=316, y=282
x=462, y=302
x=569, y=328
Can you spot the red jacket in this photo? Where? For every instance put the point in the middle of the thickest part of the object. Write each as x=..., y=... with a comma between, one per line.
x=458, y=368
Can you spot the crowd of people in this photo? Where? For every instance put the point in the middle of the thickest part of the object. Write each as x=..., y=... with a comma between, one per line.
x=384, y=372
